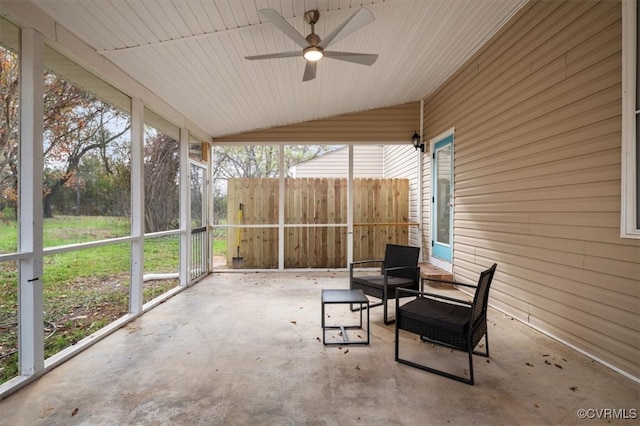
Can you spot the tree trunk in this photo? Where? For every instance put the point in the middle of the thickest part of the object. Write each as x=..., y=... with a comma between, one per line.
x=48, y=208
x=77, y=197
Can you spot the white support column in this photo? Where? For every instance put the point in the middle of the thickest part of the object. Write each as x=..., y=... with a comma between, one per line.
x=185, y=209
x=350, y=208
x=420, y=172
x=30, y=291
x=281, y=209
x=209, y=191
x=137, y=206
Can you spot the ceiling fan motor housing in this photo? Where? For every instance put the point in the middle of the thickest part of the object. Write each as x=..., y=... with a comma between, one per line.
x=313, y=39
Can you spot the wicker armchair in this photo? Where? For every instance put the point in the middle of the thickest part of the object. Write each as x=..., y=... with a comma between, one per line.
x=399, y=268
x=447, y=321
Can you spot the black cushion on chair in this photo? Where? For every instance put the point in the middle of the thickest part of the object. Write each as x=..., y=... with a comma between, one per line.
x=439, y=314
x=377, y=281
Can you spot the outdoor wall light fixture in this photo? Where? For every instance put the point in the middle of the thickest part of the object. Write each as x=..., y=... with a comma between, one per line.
x=416, y=142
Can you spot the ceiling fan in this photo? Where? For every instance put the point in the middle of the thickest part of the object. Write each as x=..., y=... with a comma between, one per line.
x=313, y=47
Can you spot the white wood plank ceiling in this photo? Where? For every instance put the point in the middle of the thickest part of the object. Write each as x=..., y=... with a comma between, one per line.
x=191, y=53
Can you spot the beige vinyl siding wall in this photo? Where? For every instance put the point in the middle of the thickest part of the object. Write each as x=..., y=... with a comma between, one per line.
x=391, y=124
x=537, y=113
x=401, y=161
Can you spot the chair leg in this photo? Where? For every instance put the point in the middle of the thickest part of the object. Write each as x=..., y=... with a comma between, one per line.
x=397, y=338
x=471, y=366
x=386, y=309
x=486, y=341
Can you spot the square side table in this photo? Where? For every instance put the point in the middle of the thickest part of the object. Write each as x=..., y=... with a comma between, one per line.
x=331, y=297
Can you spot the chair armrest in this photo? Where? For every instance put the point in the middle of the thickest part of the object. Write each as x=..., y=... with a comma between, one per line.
x=362, y=262
x=451, y=282
x=431, y=295
x=401, y=268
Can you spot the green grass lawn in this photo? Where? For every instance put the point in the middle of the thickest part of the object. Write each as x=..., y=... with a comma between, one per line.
x=84, y=290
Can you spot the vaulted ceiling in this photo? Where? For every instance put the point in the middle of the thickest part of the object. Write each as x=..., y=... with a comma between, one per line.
x=191, y=53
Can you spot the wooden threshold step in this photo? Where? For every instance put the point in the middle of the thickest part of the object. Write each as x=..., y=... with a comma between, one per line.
x=432, y=272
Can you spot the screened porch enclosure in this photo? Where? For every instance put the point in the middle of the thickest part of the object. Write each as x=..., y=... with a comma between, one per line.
x=113, y=200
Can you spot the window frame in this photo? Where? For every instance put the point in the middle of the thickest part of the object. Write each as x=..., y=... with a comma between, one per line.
x=630, y=210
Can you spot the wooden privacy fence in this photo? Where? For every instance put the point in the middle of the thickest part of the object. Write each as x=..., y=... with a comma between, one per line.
x=315, y=217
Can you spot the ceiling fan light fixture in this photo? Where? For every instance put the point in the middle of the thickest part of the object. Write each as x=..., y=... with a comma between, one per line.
x=313, y=53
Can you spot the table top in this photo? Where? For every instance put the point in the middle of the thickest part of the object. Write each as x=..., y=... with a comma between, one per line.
x=344, y=296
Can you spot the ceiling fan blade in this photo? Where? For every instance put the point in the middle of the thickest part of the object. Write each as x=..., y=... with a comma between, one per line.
x=276, y=19
x=356, y=58
x=275, y=55
x=309, y=71
x=362, y=17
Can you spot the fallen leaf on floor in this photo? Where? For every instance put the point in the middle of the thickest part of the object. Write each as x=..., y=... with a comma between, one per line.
x=357, y=367
x=293, y=322
x=347, y=351
x=536, y=405
x=544, y=355
x=529, y=364
x=574, y=388
x=74, y=412
x=546, y=361
x=558, y=365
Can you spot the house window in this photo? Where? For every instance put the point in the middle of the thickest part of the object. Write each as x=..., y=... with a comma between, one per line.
x=630, y=209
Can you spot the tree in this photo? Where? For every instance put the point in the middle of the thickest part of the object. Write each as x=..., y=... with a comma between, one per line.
x=75, y=124
x=94, y=190
x=261, y=161
x=161, y=183
x=9, y=104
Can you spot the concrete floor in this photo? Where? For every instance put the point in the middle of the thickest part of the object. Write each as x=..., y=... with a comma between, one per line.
x=245, y=348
